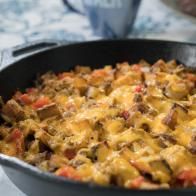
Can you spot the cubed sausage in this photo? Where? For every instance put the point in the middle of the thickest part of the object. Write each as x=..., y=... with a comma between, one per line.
x=48, y=111
x=12, y=111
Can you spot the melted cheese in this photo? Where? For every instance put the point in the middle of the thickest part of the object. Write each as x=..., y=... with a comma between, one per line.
x=115, y=126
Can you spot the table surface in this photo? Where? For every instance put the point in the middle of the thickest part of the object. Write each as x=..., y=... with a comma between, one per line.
x=23, y=21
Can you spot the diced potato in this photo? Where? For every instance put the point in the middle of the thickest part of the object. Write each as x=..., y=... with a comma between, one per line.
x=114, y=126
x=177, y=157
x=122, y=170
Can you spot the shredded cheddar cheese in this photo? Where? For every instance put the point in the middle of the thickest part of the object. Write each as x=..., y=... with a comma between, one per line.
x=132, y=126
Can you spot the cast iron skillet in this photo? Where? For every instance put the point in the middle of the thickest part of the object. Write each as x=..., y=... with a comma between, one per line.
x=26, y=62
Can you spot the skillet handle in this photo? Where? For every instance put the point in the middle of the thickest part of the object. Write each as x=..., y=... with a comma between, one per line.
x=9, y=56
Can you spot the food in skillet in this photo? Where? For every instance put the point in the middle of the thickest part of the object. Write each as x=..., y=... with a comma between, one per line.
x=131, y=126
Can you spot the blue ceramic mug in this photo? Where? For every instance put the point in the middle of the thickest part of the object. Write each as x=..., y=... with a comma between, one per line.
x=109, y=18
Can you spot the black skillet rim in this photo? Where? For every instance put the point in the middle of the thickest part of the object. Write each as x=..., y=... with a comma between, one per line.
x=26, y=168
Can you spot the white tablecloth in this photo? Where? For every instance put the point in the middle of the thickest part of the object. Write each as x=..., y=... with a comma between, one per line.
x=24, y=21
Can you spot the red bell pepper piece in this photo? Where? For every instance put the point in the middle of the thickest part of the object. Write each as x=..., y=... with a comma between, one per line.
x=41, y=102
x=137, y=182
x=187, y=177
x=139, y=89
x=68, y=172
x=25, y=99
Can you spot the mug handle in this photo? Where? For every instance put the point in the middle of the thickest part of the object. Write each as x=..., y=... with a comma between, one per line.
x=66, y=2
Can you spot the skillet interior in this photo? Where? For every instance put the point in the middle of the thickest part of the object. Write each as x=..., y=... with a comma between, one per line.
x=95, y=54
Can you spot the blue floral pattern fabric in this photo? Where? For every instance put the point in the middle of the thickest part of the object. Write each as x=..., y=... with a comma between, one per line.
x=23, y=21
